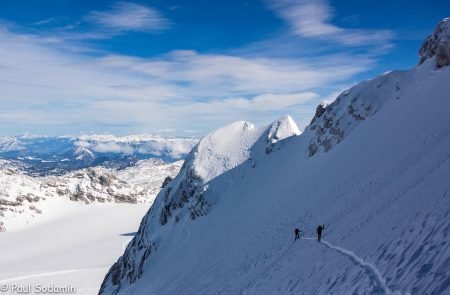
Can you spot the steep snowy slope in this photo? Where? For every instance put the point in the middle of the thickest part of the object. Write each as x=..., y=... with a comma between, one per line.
x=373, y=166
x=25, y=199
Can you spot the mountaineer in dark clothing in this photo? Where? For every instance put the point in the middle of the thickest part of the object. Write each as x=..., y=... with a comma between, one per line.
x=297, y=234
x=319, y=230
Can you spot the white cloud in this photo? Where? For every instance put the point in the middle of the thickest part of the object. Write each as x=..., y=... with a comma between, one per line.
x=43, y=21
x=174, y=148
x=49, y=89
x=261, y=103
x=144, y=144
x=126, y=16
x=312, y=18
x=213, y=74
x=82, y=143
x=112, y=147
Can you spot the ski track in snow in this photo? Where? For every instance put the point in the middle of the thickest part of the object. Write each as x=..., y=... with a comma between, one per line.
x=46, y=274
x=374, y=274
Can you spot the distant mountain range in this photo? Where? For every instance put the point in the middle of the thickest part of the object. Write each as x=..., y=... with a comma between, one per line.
x=26, y=199
x=40, y=156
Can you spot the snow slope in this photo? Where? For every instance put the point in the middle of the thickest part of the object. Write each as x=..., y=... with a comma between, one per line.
x=74, y=249
x=373, y=166
x=25, y=199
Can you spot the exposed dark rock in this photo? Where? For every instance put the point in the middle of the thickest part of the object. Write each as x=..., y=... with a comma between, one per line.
x=437, y=45
x=121, y=198
x=9, y=203
x=104, y=180
x=33, y=208
x=188, y=191
x=90, y=196
x=319, y=112
x=166, y=181
x=187, y=194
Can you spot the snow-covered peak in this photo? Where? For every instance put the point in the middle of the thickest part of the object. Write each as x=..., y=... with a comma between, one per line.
x=282, y=128
x=83, y=153
x=223, y=149
x=437, y=44
x=8, y=144
x=231, y=145
x=188, y=196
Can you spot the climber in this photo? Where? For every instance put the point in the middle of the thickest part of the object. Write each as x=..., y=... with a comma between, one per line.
x=297, y=234
x=319, y=231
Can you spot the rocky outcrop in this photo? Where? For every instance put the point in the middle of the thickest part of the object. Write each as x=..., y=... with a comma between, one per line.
x=23, y=196
x=166, y=181
x=332, y=123
x=320, y=109
x=437, y=45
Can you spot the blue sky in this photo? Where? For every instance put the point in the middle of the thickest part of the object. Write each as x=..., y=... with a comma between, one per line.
x=187, y=67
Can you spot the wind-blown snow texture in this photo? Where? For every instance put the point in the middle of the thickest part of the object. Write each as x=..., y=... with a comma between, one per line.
x=373, y=166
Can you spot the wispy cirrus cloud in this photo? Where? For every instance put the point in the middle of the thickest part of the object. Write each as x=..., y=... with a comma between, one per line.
x=118, y=19
x=126, y=16
x=43, y=21
x=51, y=83
x=46, y=88
x=216, y=75
x=313, y=19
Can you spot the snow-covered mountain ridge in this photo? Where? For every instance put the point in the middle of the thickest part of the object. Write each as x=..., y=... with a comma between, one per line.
x=24, y=198
x=372, y=166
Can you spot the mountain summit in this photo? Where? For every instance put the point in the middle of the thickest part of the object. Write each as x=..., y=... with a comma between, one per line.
x=437, y=44
x=372, y=167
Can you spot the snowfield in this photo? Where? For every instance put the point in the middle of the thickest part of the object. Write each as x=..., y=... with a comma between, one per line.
x=25, y=200
x=373, y=166
x=73, y=249
x=65, y=231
